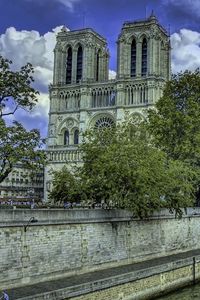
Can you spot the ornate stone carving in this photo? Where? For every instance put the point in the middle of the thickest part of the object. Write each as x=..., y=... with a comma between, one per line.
x=154, y=33
x=58, y=46
x=70, y=123
x=51, y=130
x=89, y=113
x=89, y=44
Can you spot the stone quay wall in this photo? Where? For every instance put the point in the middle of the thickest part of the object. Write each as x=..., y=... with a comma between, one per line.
x=66, y=242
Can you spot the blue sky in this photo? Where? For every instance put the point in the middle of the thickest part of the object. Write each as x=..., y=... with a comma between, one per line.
x=28, y=29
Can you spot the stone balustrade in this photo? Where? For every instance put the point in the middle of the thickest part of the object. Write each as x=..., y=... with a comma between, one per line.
x=66, y=155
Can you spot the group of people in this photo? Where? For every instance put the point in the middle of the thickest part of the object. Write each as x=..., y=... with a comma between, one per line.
x=4, y=296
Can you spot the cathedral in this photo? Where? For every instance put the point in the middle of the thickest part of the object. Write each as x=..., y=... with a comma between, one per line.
x=82, y=96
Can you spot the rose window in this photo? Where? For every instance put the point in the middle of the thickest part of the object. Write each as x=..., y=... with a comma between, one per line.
x=104, y=122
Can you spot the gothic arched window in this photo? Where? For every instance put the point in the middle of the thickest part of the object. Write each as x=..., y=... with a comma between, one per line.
x=97, y=67
x=144, y=57
x=69, y=66
x=133, y=58
x=76, y=137
x=66, y=137
x=79, y=67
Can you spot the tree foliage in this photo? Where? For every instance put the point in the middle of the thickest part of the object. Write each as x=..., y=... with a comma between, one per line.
x=144, y=167
x=19, y=145
x=15, y=88
x=121, y=166
x=174, y=124
x=66, y=187
x=122, y=169
x=16, y=143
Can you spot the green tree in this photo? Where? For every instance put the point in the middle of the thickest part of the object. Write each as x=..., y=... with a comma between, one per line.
x=16, y=143
x=15, y=88
x=174, y=125
x=66, y=187
x=121, y=167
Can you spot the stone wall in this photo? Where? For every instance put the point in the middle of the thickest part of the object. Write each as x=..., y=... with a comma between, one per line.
x=155, y=285
x=65, y=242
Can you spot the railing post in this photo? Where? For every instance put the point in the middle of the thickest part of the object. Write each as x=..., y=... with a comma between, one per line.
x=194, y=270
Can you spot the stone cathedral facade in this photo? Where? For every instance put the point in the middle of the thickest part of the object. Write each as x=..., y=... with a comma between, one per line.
x=83, y=97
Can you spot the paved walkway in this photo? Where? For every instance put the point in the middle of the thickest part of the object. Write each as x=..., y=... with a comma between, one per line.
x=65, y=282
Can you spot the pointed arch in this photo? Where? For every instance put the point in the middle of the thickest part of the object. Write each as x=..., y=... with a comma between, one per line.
x=100, y=120
x=133, y=58
x=76, y=137
x=97, y=65
x=162, y=58
x=79, y=65
x=69, y=66
x=144, y=57
x=66, y=137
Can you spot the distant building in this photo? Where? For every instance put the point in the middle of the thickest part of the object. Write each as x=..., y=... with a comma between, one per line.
x=82, y=97
x=23, y=184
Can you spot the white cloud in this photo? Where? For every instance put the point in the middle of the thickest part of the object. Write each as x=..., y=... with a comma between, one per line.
x=69, y=3
x=29, y=46
x=112, y=74
x=185, y=50
x=43, y=99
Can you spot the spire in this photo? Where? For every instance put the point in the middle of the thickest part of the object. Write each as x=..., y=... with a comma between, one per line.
x=152, y=16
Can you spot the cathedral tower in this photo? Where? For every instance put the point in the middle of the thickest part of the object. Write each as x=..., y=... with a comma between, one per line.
x=143, y=50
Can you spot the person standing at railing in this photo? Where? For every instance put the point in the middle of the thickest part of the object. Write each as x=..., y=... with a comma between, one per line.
x=4, y=296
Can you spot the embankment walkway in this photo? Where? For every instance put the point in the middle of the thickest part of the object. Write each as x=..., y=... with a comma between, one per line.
x=84, y=284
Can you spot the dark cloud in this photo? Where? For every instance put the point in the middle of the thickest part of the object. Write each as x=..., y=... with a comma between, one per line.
x=182, y=13
x=34, y=15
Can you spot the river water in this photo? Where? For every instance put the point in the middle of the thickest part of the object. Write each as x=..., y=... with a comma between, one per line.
x=188, y=293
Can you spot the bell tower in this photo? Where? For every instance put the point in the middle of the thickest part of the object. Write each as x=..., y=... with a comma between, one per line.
x=143, y=50
x=80, y=56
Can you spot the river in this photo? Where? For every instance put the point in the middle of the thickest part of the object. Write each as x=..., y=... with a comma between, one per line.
x=188, y=293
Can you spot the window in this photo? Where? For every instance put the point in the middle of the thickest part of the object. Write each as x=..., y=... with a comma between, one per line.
x=66, y=137
x=69, y=66
x=133, y=58
x=79, y=64
x=97, y=67
x=104, y=122
x=76, y=136
x=144, y=57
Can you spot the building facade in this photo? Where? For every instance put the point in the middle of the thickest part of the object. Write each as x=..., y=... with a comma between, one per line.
x=83, y=97
x=22, y=184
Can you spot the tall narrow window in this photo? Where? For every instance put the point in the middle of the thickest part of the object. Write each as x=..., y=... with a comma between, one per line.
x=144, y=57
x=133, y=58
x=79, y=68
x=66, y=137
x=69, y=66
x=76, y=136
x=97, y=67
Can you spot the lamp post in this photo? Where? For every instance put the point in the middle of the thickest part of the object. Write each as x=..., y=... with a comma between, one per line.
x=31, y=220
